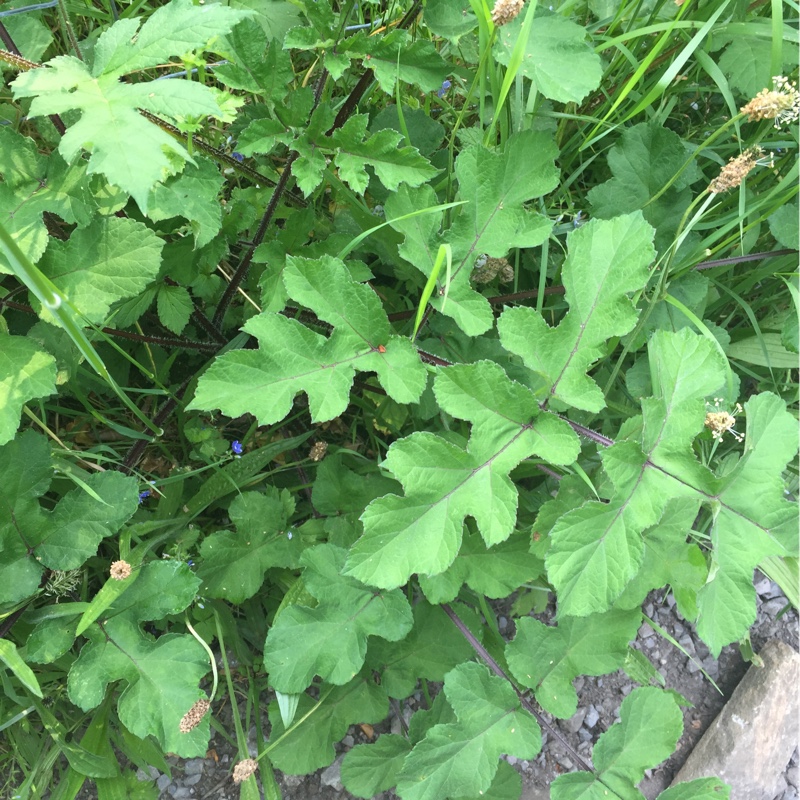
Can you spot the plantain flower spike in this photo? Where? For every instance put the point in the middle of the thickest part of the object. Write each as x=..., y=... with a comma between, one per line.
x=506, y=10
x=194, y=716
x=735, y=171
x=244, y=769
x=781, y=103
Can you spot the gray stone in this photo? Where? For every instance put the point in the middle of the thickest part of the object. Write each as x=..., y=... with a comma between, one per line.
x=772, y=607
x=648, y=610
x=591, y=717
x=162, y=782
x=193, y=766
x=332, y=776
x=645, y=631
x=763, y=587
x=793, y=776
x=790, y=794
x=751, y=741
x=192, y=780
x=181, y=793
x=573, y=724
x=348, y=741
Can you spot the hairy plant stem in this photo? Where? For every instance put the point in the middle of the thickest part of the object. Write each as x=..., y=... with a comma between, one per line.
x=521, y=696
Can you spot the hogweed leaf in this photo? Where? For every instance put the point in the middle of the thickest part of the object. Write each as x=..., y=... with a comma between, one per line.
x=607, y=262
x=110, y=260
x=649, y=727
x=320, y=724
x=752, y=520
x=131, y=152
x=492, y=222
x=432, y=648
x=293, y=358
x=33, y=184
x=330, y=640
x=32, y=539
x=461, y=758
x=26, y=372
x=371, y=768
x=547, y=659
x=234, y=564
x=443, y=482
x=558, y=60
x=598, y=548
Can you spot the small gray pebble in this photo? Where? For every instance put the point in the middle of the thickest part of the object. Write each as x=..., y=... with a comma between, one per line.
x=590, y=720
x=193, y=766
x=692, y=666
x=512, y=760
x=584, y=735
x=626, y=690
x=645, y=631
x=763, y=586
x=599, y=683
x=648, y=610
x=789, y=794
x=162, y=782
x=348, y=741
x=179, y=792
x=772, y=607
x=678, y=630
x=502, y=623
x=192, y=780
x=579, y=683
x=574, y=723
x=670, y=600
x=332, y=776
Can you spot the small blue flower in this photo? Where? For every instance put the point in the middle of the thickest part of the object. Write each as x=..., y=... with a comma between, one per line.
x=238, y=156
x=445, y=86
x=190, y=562
x=144, y=495
x=236, y=446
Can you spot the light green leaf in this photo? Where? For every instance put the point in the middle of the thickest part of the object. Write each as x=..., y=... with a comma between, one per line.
x=451, y=19
x=24, y=674
x=26, y=372
x=275, y=17
x=432, y=648
x=174, y=307
x=368, y=769
x=392, y=164
x=460, y=758
x=607, y=261
x=752, y=520
x=162, y=678
x=752, y=351
x=234, y=564
x=330, y=640
x=110, y=260
x=557, y=58
x=547, y=659
x=293, y=358
x=443, y=483
x=193, y=196
x=785, y=227
x=309, y=746
x=33, y=184
x=649, y=727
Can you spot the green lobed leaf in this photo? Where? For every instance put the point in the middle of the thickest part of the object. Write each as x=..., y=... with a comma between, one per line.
x=597, y=549
x=421, y=532
x=649, y=727
x=26, y=372
x=432, y=648
x=330, y=640
x=557, y=58
x=607, y=261
x=32, y=538
x=174, y=307
x=234, y=564
x=547, y=659
x=320, y=724
x=460, y=758
x=293, y=358
x=753, y=519
x=162, y=679
x=33, y=184
x=451, y=19
x=371, y=768
x=110, y=260
x=494, y=220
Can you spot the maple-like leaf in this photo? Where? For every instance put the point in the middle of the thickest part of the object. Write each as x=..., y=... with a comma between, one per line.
x=131, y=152
x=293, y=358
x=444, y=482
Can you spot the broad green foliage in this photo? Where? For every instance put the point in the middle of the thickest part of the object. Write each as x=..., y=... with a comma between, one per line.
x=294, y=358
x=330, y=639
x=444, y=482
x=33, y=538
x=26, y=372
x=383, y=324
x=130, y=151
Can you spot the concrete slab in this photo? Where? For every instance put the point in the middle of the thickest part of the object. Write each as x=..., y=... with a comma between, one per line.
x=752, y=740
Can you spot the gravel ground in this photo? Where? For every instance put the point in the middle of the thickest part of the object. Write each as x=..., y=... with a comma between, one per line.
x=598, y=704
